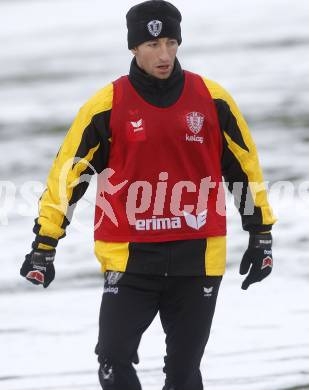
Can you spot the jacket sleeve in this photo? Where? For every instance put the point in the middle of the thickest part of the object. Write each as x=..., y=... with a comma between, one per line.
x=240, y=164
x=84, y=152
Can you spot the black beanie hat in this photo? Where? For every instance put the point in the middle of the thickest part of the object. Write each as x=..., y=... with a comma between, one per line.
x=151, y=20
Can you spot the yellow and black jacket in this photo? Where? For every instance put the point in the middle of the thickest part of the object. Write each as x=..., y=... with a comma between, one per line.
x=86, y=149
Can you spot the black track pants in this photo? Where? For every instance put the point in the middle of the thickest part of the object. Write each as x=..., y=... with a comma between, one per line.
x=186, y=305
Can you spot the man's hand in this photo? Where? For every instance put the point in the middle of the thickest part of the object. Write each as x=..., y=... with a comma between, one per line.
x=38, y=267
x=259, y=257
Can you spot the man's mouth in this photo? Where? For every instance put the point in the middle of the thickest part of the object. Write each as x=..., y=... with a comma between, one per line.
x=163, y=67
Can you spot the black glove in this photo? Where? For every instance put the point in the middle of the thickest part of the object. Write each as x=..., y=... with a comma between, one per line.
x=259, y=256
x=38, y=267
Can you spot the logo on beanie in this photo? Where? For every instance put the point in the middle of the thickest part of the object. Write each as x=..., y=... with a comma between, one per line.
x=155, y=27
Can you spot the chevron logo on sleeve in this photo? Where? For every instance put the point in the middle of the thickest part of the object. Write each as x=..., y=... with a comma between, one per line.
x=208, y=291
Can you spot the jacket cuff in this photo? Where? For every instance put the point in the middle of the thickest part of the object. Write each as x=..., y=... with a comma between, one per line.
x=255, y=229
x=44, y=242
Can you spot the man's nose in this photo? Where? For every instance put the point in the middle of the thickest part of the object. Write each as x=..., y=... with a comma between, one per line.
x=164, y=54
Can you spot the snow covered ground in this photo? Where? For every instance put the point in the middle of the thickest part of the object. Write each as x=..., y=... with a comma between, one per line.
x=53, y=56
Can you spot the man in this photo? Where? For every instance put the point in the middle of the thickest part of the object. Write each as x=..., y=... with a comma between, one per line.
x=160, y=139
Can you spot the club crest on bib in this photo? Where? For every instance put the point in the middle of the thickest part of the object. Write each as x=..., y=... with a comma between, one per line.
x=195, y=121
x=155, y=27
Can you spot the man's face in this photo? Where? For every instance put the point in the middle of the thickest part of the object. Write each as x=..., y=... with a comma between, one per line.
x=157, y=57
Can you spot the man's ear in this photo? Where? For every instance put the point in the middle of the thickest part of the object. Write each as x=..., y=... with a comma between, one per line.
x=134, y=51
